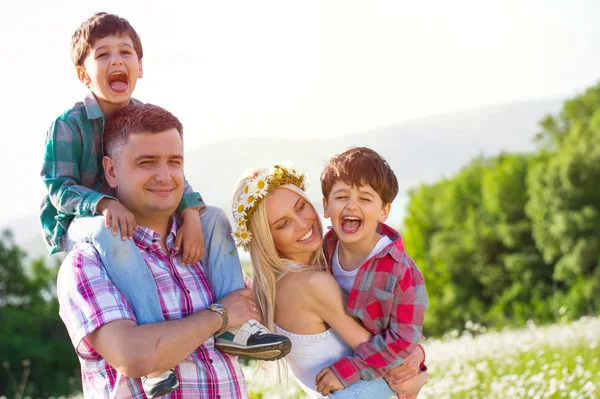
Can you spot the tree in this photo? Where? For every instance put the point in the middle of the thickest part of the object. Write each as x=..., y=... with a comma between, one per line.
x=472, y=239
x=565, y=200
x=37, y=358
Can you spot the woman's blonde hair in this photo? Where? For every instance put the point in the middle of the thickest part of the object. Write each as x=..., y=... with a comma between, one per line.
x=267, y=263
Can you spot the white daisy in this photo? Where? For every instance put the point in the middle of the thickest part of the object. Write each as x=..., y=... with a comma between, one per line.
x=262, y=187
x=239, y=212
x=242, y=236
x=249, y=201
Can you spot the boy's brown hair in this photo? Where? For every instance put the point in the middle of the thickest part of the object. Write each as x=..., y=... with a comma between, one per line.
x=100, y=25
x=359, y=166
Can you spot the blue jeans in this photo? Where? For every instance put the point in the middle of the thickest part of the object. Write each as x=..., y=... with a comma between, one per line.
x=362, y=389
x=130, y=274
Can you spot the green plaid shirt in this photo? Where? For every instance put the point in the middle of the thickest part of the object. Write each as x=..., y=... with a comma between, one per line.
x=73, y=172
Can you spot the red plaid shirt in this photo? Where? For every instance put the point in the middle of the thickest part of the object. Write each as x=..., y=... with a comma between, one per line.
x=88, y=300
x=390, y=299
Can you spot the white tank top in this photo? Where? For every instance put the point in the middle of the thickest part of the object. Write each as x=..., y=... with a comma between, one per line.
x=311, y=354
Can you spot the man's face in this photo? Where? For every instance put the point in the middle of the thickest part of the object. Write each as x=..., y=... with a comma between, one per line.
x=148, y=173
x=111, y=70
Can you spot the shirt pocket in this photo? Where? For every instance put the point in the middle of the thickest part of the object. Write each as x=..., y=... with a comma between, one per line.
x=379, y=307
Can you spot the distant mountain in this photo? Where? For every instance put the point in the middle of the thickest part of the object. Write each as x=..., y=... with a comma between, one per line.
x=422, y=150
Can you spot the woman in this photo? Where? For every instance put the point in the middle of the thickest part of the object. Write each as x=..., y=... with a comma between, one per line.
x=275, y=221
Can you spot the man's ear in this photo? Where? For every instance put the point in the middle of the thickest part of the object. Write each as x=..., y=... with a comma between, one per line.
x=83, y=76
x=325, y=211
x=110, y=171
x=385, y=212
x=140, y=69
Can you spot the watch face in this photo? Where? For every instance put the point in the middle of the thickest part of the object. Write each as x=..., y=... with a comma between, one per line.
x=217, y=307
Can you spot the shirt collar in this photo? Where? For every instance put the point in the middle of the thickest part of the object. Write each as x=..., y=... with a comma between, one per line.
x=395, y=249
x=92, y=107
x=146, y=238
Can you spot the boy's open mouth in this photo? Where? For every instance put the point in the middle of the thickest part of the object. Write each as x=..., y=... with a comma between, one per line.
x=118, y=81
x=351, y=224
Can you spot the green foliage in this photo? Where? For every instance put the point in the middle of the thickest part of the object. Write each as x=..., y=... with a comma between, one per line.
x=565, y=200
x=37, y=358
x=517, y=236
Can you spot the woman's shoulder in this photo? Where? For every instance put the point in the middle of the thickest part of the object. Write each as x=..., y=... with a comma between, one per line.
x=309, y=280
x=310, y=285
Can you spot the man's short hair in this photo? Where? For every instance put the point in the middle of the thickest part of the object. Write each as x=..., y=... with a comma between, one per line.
x=100, y=25
x=359, y=166
x=136, y=119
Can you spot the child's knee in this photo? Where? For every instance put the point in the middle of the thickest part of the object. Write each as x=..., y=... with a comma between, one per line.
x=104, y=238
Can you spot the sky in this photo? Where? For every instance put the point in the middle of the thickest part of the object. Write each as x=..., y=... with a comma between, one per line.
x=292, y=69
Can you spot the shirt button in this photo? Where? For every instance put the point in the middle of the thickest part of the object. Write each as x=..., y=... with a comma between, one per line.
x=188, y=293
x=210, y=360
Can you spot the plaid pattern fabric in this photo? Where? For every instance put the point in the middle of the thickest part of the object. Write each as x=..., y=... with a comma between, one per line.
x=390, y=299
x=73, y=174
x=88, y=300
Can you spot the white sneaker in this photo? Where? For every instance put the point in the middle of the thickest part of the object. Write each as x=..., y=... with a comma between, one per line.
x=254, y=340
x=160, y=385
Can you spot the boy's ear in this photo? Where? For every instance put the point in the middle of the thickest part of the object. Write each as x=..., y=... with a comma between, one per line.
x=83, y=76
x=325, y=211
x=385, y=212
x=109, y=171
x=140, y=69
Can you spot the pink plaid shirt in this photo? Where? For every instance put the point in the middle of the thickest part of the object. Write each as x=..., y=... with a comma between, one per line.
x=389, y=298
x=88, y=300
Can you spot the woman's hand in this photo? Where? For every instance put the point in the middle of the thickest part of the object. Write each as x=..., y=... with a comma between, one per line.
x=327, y=382
x=411, y=388
x=407, y=370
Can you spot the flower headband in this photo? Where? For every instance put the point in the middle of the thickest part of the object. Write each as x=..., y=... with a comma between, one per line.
x=254, y=191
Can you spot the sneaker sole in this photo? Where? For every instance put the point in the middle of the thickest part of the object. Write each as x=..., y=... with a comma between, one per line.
x=265, y=352
x=161, y=391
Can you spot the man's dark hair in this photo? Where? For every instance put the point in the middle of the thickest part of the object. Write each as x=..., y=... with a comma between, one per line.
x=136, y=119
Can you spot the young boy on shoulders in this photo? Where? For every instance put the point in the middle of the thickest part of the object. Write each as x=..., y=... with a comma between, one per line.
x=385, y=288
x=80, y=207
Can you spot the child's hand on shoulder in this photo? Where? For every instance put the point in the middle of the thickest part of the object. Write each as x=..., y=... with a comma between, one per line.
x=190, y=236
x=117, y=217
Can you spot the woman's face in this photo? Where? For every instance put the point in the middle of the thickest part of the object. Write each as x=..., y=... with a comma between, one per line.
x=294, y=225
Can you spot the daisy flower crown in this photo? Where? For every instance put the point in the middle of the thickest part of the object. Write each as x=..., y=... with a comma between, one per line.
x=254, y=191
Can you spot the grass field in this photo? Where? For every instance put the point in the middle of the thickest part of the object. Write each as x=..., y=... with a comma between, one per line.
x=557, y=361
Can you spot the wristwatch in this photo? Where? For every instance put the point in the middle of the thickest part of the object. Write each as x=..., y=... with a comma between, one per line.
x=220, y=309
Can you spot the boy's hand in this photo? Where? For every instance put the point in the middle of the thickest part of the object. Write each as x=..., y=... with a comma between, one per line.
x=190, y=236
x=327, y=382
x=117, y=217
x=407, y=370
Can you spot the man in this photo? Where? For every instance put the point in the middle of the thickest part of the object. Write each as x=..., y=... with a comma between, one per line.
x=144, y=165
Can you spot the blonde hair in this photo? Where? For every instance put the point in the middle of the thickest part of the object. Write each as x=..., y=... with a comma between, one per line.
x=267, y=263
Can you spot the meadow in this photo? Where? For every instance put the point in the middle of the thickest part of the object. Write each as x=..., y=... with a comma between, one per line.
x=555, y=361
